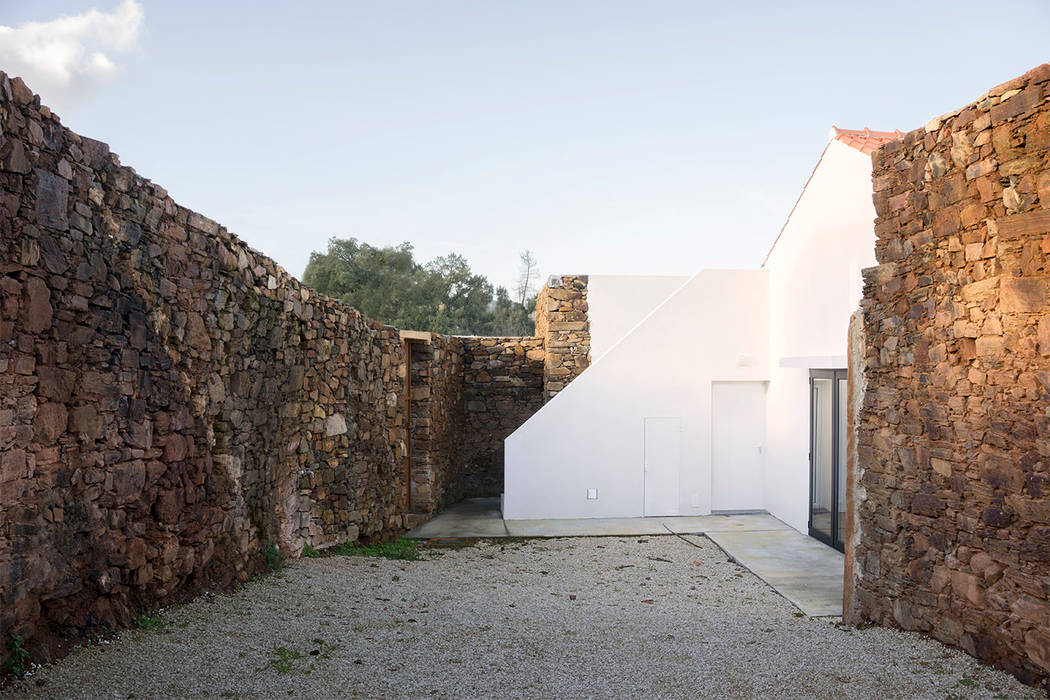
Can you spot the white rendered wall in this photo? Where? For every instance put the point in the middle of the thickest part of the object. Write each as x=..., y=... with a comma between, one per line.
x=815, y=284
x=590, y=436
x=616, y=303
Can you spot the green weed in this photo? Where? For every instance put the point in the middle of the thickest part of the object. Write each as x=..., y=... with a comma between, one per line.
x=282, y=661
x=15, y=663
x=310, y=552
x=407, y=550
x=149, y=622
x=274, y=559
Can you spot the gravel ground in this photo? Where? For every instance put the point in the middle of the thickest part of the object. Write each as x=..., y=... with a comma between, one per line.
x=597, y=617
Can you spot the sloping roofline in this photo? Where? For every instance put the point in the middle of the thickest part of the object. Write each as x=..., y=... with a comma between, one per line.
x=863, y=140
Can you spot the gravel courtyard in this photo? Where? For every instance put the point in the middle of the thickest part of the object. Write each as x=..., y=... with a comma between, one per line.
x=597, y=617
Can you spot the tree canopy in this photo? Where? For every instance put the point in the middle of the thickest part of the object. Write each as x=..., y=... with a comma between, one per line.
x=443, y=295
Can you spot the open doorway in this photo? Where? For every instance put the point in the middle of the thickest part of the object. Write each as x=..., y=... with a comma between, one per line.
x=827, y=456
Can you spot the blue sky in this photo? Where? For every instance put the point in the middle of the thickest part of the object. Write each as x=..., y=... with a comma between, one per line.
x=608, y=137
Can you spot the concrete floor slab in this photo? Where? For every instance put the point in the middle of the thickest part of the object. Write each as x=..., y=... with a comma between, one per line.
x=474, y=517
x=592, y=527
x=480, y=517
x=726, y=523
x=803, y=570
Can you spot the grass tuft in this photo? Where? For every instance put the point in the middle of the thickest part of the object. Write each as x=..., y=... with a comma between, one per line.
x=149, y=622
x=406, y=550
x=282, y=661
x=274, y=558
x=15, y=663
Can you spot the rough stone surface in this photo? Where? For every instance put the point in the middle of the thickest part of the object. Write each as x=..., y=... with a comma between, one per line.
x=171, y=400
x=502, y=388
x=563, y=324
x=437, y=420
x=953, y=434
x=163, y=410
x=468, y=395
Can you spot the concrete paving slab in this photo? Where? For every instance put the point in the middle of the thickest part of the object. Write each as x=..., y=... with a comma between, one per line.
x=803, y=570
x=480, y=517
x=474, y=517
x=584, y=527
x=725, y=523
x=592, y=527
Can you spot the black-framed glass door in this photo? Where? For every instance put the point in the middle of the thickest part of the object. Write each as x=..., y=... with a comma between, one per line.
x=827, y=456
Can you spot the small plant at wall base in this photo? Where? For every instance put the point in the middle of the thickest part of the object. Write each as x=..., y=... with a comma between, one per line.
x=274, y=560
x=15, y=663
x=149, y=622
x=407, y=550
x=310, y=552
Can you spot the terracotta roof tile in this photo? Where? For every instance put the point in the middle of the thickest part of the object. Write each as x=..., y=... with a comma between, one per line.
x=864, y=140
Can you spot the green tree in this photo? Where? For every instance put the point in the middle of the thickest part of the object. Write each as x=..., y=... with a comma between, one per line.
x=378, y=282
x=509, y=318
x=443, y=295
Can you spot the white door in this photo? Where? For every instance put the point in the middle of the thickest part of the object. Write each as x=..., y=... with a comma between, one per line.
x=738, y=435
x=663, y=453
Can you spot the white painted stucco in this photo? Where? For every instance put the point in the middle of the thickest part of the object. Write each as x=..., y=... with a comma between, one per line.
x=616, y=303
x=769, y=325
x=815, y=284
x=591, y=435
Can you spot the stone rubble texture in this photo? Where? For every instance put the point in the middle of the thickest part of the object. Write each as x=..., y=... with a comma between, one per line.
x=468, y=395
x=562, y=322
x=502, y=388
x=953, y=496
x=172, y=400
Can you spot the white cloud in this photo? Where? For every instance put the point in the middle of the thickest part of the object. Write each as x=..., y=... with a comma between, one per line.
x=68, y=58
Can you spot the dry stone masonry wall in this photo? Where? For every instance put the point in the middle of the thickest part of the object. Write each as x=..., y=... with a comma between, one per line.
x=468, y=395
x=172, y=400
x=169, y=398
x=502, y=388
x=954, y=432
x=562, y=322
x=437, y=420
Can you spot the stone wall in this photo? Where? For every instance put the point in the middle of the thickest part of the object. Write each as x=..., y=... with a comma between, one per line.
x=468, y=395
x=954, y=502
x=562, y=323
x=172, y=400
x=502, y=388
x=437, y=422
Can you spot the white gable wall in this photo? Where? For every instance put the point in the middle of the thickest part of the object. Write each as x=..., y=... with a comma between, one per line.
x=590, y=436
x=815, y=284
x=770, y=325
x=616, y=303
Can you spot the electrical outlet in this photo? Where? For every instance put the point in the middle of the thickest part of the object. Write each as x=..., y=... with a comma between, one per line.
x=592, y=494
